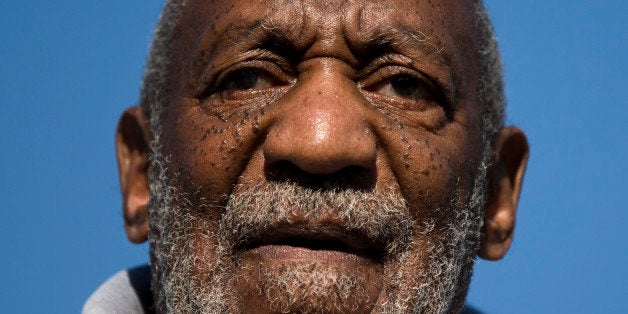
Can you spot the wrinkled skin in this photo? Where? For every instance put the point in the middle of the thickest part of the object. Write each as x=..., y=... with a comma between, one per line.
x=363, y=96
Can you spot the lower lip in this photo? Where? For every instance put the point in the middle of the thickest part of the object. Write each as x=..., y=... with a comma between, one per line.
x=287, y=252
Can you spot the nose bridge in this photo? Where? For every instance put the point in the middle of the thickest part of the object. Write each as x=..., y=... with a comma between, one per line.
x=324, y=127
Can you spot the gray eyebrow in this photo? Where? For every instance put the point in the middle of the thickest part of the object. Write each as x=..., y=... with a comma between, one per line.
x=410, y=41
x=402, y=36
x=250, y=33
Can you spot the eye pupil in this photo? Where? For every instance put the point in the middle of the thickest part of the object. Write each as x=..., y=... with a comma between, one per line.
x=242, y=80
x=405, y=85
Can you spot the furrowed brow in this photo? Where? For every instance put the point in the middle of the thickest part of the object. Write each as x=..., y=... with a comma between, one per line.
x=403, y=39
x=239, y=36
x=412, y=42
x=261, y=33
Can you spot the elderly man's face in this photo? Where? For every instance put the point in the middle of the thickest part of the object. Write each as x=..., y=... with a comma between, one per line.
x=320, y=156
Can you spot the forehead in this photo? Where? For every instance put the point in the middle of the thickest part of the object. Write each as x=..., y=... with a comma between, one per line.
x=442, y=23
x=431, y=10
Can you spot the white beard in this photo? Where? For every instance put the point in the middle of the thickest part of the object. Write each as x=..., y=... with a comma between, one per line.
x=194, y=268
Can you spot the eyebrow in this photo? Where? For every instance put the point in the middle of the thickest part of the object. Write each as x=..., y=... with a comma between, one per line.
x=255, y=33
x=408, y=40
x=266, y=31
x=392, y=36
x=414, y=42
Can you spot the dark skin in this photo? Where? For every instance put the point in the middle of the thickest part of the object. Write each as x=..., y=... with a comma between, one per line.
x=382, y=92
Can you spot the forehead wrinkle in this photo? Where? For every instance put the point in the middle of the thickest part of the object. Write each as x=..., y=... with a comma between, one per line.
x=417, y=39
x=375, y=40
x=326, y=21
x=225, y=40
x=394, y=34
x=252, y=32
x=243, y=35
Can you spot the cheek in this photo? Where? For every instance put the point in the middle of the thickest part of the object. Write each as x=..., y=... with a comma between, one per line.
x=432, y=172
x=207, y=153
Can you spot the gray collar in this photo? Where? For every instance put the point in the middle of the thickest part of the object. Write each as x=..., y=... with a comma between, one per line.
x=128, y=291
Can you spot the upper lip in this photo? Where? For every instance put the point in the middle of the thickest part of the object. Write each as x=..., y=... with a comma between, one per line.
x=317, y=237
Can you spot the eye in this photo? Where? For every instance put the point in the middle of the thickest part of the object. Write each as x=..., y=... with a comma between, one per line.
x=404, y=86
x=247, y=79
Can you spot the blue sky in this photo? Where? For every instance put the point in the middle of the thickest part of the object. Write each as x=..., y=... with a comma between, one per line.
x=67, y=70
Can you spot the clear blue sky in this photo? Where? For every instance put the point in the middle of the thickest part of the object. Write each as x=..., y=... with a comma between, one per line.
x=69, y=68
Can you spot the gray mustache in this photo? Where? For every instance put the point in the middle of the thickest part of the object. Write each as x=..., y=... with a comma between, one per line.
x=380, y=216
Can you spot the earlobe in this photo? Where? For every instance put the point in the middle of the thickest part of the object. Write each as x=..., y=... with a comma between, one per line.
x=505, y=181
x=132, y=150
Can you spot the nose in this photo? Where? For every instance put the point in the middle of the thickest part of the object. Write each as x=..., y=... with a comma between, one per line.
x=323, y=128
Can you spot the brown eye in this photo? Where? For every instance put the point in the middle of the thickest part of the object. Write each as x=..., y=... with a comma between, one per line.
x=246, y=79
x=405, y=86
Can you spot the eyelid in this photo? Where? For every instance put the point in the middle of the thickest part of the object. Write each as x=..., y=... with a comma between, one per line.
x=384, y=76
x=404, y=65
x=263, y=61
x=231, y=77
x=263, y=68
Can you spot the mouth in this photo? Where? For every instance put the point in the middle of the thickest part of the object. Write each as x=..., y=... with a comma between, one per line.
x=314, y=242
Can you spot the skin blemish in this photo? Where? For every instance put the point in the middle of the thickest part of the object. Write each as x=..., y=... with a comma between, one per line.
x=256, y=124
x=223, y=117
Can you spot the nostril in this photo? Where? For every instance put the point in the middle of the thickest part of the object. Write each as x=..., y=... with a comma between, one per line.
x=323, y=157
x=351, y=177
x=282, y=171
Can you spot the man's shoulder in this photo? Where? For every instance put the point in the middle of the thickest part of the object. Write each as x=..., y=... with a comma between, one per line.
x=127, y=291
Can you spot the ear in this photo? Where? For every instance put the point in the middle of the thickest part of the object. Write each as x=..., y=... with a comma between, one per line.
x=132, y=138
x=505, y=180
